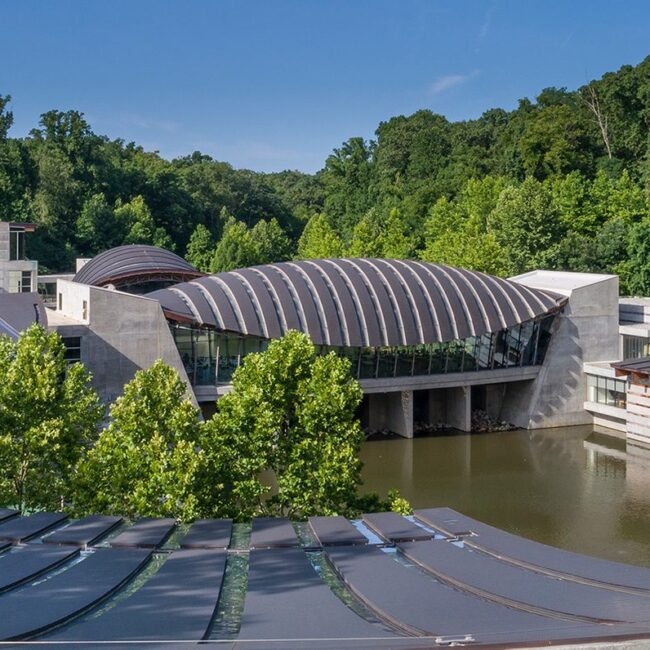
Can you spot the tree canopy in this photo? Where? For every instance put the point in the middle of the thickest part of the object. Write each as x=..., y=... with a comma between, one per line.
x=48, y=415
x=541, y=184
x=290, y=423
x=144, y=461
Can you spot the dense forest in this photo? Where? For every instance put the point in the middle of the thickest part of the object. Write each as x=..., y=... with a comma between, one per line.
x=560, y=182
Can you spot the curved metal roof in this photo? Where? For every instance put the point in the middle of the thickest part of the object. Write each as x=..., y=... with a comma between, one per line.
x=356, y=302
x=128, y=263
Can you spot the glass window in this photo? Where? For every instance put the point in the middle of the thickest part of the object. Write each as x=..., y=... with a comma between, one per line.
x=483, y=352
x=184, y=344
x=421, y=359
x=607, y=390
x=404, y=366
x=204, y=359
x=500, y=355
x=368, y=363
x=72, y=348
x=635, y=347
x=352, y=355
x=544, y=338
x=592, y=382
x=26, y=282
x=386, y=359
x=16, y=245
x=455, y=353
x=229, y=357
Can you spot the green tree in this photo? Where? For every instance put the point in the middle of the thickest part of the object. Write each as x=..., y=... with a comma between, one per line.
x=382, y=233
x=527, y=224
x=135, y=216
x=6, y=116
x=144, y=463
x=367, y=238
x=290, y=412
x=395, y=240
x=200, y=249
x=236, y=248
x=271, y=242
x=555, y=142
x=48, y=414
x=635, y=270
x=97, y=229
x=319, y=240
x=346, y=179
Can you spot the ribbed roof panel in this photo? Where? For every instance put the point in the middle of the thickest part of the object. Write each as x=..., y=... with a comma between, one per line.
x=360, y=302
x=127, y=263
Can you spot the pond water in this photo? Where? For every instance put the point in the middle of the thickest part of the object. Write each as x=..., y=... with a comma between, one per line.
x=572, y=488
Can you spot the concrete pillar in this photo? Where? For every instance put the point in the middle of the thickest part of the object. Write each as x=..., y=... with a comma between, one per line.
x=392, y=411
x=459, y=408
x=437, y=406
x=494, y=399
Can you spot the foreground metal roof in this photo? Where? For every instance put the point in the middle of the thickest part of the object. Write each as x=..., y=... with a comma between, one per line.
x=18, y=311
x=129, y=263
x=356, y=302
x=431, y=581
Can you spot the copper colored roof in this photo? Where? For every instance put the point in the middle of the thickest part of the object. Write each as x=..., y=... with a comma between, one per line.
x=131, y=263
x=356, y=302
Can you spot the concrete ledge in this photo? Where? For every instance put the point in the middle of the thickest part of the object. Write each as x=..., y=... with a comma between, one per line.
x=450, y=380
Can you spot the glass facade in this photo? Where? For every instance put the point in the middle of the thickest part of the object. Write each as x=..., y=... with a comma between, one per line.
x=16, y=244
x=210, y=357
x=607, y=390
x=635, y=347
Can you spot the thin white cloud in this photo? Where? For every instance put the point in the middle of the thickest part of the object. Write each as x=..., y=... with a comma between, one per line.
x=487, y=22
x=450, y=81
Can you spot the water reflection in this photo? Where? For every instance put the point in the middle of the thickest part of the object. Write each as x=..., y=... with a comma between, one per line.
x=571, y=488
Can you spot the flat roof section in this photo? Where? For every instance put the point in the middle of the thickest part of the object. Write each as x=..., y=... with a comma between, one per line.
x=419, y=604
x=20, y=529
x=286, y=599
x=490, y=578
x=7, y=513
x=332, y=531
x=31, y=561
x=635, y=368
x=273, y=532
x=395, y=528
x=177, y=602
x=540, y=557
x=29, y=611
x=84, y=532
x=562, y=282
x=145, y=533
x=208, y=533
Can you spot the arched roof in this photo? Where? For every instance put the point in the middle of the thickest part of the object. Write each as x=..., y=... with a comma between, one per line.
x=356, y=302
x=132, y=262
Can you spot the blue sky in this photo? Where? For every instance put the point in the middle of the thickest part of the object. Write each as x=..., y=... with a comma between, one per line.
x=275, y=84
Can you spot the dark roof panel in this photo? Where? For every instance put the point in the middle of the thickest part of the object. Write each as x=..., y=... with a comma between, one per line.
x=361, y=302
x=18, y=311
x=128, y=263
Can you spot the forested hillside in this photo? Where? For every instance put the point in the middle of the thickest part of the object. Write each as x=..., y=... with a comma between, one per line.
x=559, y=182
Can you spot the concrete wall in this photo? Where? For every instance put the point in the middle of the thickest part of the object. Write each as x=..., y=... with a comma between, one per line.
x=586, y=330
x=638, y=413
x=7, y=266
x=392, y=412
x=121, y=334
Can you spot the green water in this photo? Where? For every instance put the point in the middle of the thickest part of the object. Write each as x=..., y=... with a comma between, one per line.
x=570, y=488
